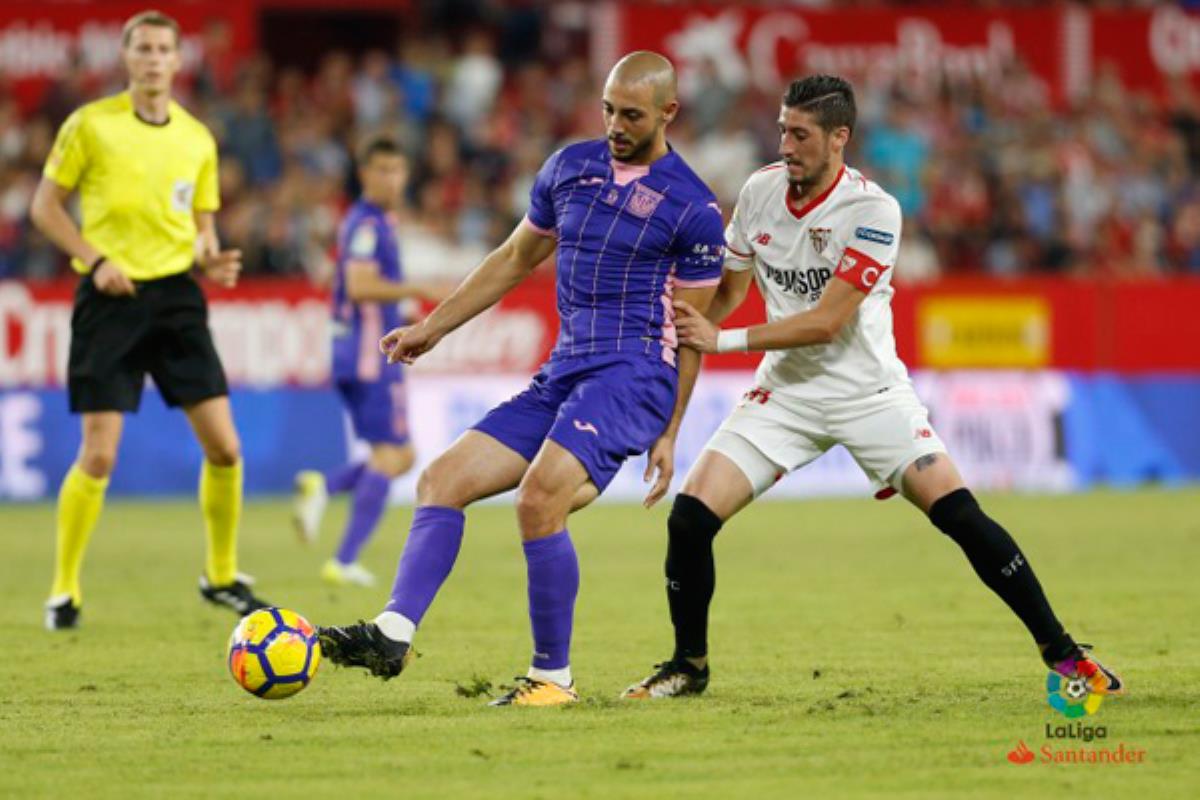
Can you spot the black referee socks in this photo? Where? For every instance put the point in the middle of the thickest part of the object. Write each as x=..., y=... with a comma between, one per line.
x=998, y=561
x=691, y=573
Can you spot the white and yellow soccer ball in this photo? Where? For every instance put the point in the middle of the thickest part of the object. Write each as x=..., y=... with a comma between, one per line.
x=274, y=653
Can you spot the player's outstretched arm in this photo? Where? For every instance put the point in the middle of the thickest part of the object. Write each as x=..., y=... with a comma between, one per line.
x=662, y=454
x=819, y=325
x=496, y=275
x=49, y=213
x=731, y=293
x=365, y=284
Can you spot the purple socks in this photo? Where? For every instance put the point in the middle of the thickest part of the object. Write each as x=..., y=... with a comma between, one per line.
x=429, y=555
x=344, y=478
x=370, y=499
x=553, y=571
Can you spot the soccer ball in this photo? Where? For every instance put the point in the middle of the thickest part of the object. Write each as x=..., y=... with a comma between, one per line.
x=274, y=653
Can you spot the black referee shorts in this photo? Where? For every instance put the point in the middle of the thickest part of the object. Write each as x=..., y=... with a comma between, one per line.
x=162, y=330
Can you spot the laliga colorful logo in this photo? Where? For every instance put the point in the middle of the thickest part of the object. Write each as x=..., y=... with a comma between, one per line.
x=1074, y=696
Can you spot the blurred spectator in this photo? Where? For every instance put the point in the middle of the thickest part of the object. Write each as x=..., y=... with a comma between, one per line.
x=248, y=135
x=474, y=82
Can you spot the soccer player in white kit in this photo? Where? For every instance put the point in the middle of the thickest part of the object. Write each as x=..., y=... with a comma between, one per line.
x=821, y=240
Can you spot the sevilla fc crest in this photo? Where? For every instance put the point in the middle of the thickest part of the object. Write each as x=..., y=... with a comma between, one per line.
x=643, y=201
x=819, y=238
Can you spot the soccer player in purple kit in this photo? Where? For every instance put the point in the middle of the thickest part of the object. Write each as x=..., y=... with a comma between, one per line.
x=634, y=228
x=367, y=287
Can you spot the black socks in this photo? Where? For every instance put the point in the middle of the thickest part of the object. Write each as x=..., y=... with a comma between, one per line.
x=1000, y=564
x=691, y=573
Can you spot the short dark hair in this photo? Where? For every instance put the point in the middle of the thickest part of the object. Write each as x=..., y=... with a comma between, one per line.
x=380, y=144
x=829, y=97
x=151, y=17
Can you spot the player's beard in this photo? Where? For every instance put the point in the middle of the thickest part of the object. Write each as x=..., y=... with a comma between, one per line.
x=636, y=151
x=801, y=186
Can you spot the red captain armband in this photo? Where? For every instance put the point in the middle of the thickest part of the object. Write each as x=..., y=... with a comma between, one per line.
x=860, y=270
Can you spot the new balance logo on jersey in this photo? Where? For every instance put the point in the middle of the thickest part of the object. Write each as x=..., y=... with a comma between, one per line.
x=808, y=282
x=762, y=238
x=923, y=433
x=586, y=427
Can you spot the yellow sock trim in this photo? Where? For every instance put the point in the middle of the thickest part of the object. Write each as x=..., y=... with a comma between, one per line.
x=80, y=500
x=221, y=505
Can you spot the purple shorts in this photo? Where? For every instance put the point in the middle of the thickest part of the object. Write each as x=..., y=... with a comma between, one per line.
x=601, y=408
x=378, y=409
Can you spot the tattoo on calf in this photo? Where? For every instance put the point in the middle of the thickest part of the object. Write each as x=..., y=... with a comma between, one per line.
x=925, y=461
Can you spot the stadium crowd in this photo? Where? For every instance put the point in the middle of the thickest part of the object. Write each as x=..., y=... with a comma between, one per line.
x=992, y=178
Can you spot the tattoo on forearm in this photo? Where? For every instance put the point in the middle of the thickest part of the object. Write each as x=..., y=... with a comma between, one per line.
x=925, y=461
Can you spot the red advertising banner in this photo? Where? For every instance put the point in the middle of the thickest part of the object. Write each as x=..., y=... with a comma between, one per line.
x=764, y=46
x=43, y=41
x=276, y=332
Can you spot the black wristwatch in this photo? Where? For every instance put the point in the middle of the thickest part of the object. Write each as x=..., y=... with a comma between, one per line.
x=99, y=260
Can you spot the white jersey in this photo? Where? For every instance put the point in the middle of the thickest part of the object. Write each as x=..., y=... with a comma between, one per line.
x=852, y=232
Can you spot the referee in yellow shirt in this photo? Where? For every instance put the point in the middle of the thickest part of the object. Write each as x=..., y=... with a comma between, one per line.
x=146, y=172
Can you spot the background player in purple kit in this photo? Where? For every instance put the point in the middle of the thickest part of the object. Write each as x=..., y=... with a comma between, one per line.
x=367, y=287
x=633, y=227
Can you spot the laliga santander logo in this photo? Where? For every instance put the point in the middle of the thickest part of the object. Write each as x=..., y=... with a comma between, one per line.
x=1021, y=754
x=1075, y=696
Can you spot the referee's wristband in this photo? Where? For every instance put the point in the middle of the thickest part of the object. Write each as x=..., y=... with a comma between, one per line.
x=97, y=263
x=734, y=340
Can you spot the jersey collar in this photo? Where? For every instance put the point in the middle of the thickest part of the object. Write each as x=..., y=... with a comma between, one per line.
x=800, y=213
x=624, y=174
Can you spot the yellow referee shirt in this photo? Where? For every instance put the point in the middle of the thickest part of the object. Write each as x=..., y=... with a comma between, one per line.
x=139, y=183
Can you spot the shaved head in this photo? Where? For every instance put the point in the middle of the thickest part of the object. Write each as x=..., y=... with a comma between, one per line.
x=639, y=103
x=645, y=67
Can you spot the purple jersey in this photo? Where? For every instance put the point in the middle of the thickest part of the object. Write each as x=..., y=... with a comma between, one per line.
x=368, y=233
x=627, y=237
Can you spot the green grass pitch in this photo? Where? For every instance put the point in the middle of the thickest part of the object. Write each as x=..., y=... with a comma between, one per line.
x=855, y=654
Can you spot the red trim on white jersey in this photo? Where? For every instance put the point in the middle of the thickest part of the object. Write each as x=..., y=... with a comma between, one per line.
x=859, y=270
x=799, y=213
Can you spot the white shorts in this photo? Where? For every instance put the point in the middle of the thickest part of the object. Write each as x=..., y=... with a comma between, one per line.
x=769, y=435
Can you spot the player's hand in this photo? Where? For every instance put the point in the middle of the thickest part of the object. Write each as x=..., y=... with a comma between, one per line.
x=661, y=458
x=222, y=266
x=694, y=330
x=404, y=345
x=110, y=279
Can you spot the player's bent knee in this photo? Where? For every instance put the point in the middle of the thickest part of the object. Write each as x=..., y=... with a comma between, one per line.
x=532, y=504
x=690, y=515
x=98, y=463
x=540, y=510
x=440, y=485
x=957, y=511
x=392, y=460
x=224, y=454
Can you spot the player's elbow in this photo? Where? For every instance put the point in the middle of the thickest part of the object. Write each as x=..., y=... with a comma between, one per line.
x=826, y=329
x=359, y=291
x=40, y=210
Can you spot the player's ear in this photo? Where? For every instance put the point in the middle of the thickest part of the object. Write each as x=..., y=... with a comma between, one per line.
x=669, y=111
x=840, y=138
